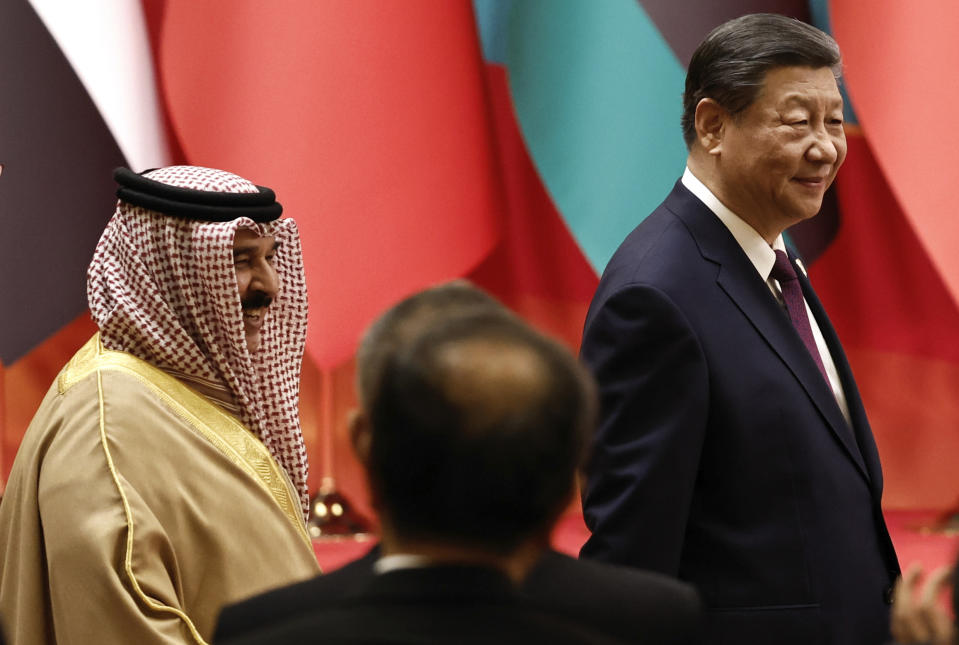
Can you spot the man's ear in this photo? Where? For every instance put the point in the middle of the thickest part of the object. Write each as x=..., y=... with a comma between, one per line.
x=360, y=436
x=710, y=122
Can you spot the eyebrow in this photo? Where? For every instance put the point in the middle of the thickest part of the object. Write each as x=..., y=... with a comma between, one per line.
x=251, y=248
x=804, y=100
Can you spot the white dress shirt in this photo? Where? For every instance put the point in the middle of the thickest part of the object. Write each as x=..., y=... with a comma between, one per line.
x=763, y=257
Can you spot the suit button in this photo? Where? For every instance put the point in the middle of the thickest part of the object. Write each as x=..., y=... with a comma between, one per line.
x=887, y=595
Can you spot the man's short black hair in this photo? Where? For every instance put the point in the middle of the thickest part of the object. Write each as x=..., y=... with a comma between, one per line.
x=478, y=428
x=731, y=64
x=403, y=321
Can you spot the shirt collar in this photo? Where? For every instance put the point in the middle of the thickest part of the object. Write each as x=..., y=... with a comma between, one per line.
x=400, y=561
x=762, y=256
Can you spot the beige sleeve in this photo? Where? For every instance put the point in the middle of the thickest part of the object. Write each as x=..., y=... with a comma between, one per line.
x=133, y=530
x=107, y=584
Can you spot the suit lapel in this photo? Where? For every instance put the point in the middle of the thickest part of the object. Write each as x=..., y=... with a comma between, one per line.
x=739, y=279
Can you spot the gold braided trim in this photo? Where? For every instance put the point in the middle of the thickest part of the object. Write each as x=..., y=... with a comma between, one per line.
x=224, y=432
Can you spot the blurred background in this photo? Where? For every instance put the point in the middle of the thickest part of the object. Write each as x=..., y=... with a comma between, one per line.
x=511, y=142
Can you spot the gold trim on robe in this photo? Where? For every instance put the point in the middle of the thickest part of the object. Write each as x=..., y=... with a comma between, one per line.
x=136, y=509
x=223, y=431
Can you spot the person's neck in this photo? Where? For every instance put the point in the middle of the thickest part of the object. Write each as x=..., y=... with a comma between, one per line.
x=515, y=565
x=706, y=172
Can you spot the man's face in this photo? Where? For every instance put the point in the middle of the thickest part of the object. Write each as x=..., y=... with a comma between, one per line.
x=256, y=280
x=778, y=157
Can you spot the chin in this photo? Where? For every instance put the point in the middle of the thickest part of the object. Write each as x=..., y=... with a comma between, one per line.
x=806, y=211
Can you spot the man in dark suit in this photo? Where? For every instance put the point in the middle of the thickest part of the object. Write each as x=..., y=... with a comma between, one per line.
x=612, y=601
x=733, y=449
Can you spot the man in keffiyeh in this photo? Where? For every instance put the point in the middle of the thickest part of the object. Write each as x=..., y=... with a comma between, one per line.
x=164, y=474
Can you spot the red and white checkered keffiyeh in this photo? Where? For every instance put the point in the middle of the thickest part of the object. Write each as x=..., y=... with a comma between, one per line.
x=164, y=289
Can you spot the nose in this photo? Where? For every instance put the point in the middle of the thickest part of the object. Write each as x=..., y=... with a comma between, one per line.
x=265, y=279
x=824, y=148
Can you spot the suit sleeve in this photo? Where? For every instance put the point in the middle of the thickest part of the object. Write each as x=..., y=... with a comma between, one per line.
x=654, y=392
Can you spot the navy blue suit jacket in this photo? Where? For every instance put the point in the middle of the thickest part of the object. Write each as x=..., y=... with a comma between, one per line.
x=722, y=457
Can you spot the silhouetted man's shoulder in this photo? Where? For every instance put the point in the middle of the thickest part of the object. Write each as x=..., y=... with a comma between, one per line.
x=426, y=605
x=284, y=603
x=635, y=605
x=623, y=603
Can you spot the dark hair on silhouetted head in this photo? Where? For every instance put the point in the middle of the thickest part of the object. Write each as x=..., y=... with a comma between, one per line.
x=477, y=429
x=731, y=64
x=403, y=321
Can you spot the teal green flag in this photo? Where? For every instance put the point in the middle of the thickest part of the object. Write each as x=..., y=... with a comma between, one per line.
x=598, y=95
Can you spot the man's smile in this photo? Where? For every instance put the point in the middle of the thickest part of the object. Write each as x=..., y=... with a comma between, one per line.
x=253, y=318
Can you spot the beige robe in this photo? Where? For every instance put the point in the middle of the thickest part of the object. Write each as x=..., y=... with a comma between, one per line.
x=136, y=510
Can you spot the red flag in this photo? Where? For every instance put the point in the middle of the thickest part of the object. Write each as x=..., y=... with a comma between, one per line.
x=899, y=62
x=898, y=326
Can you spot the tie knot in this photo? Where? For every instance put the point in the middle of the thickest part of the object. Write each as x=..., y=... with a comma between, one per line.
x=783, y=269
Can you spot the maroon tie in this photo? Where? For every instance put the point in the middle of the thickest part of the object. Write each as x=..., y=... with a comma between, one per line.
x=784, y=273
